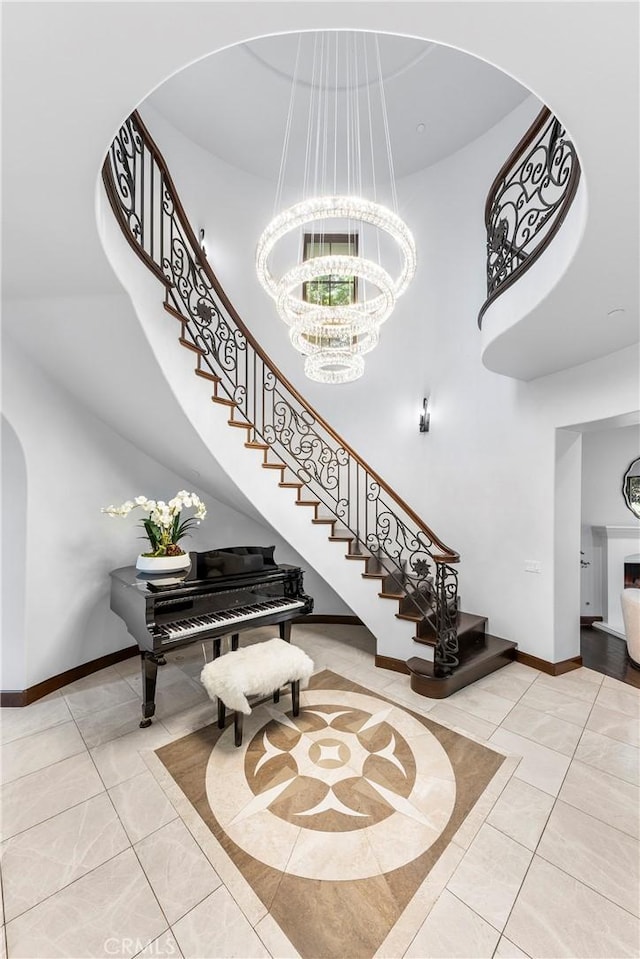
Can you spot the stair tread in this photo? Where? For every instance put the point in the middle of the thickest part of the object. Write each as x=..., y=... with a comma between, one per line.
x=256, y=446
x=397, y=596
x=205, y=374
x=319, y=522
x=307, y=502
x=274, y=466
x=191, y=346
x=288, y=485
x=341, y=539
x=242, y=426
x=223, y=401
x=172, y=310
x=494, y=646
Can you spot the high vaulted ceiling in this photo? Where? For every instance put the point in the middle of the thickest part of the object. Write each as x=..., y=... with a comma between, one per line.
x=235, y=103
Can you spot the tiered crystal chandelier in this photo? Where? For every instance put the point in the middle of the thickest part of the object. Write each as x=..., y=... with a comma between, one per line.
x=335, y=300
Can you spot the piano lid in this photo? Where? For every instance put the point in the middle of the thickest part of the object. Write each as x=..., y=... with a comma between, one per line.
x=186, y=579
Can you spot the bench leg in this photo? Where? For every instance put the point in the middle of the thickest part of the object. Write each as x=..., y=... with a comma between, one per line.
x=220, y=714
x=295, y=696
x=237, y=727
x=276, y=695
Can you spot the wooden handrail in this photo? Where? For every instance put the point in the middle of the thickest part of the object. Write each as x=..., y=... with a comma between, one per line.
x=447, y=554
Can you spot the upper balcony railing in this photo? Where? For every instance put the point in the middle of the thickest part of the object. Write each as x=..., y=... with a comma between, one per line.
x=527, y=202
x=152, y=218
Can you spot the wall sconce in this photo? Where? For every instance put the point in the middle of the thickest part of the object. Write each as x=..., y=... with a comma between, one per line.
x=425, y=416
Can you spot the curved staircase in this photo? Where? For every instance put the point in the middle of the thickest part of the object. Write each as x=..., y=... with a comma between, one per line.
x=390, y=550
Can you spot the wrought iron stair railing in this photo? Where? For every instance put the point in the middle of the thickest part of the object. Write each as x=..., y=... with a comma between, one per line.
x=414, y=562
x=528, y=202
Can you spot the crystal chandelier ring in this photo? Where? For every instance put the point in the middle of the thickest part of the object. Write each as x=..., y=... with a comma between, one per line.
x=332, y=366
x=335, y=319
x=378, y=308
x=336, y=207
x=317, y=339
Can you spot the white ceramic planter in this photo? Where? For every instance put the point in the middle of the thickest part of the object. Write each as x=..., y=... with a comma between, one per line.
x=162, y=564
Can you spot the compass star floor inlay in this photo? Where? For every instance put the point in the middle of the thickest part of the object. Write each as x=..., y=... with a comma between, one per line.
x=335, y=817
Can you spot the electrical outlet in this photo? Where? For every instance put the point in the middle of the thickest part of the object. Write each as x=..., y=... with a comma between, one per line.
x=532, y=566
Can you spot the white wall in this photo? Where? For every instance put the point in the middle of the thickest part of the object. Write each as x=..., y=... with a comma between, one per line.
x=606, y=456
x=484, y=478
x=14, y=565
x=74, y=464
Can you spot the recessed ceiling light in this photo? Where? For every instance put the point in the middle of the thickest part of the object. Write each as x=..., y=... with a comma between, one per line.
x=420, y=128
x=616, y=312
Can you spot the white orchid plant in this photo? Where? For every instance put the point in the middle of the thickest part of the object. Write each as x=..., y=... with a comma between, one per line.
x=163, y=526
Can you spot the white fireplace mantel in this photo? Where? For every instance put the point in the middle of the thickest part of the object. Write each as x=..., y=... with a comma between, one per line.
x=618, y=543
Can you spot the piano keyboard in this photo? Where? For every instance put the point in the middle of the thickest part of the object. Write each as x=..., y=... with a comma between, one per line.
x=198, y=624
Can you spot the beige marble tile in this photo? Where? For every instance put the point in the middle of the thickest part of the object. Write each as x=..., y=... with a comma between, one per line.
x=400, y=691
x=521, y=670
x=508, y=950
x=603, y=796
x=506, y=684
x=275, y=940
x=546, y=730
x=453, y=930
x=141, y=805
x=556, y=916
x=110, y=911
x=128, y=667
x=26, y=720
x=217, y=929
x=624, y=699
x=521, y=812
x=98, y=691
x=540, y=766
x=554, y=702
x=119, y=759
x=23, y=756
x=164, y=947
x=45, y=793
x=49, y=856
x=617, y=759
x=110, y=723
x=402, y=934
x=188, y=720
x=180, y=874
x=167, y=675
x=572, y=684
x=610, y=683
x=456, y=718
x=598, y=855
x=616, y=725
x=490, y=875
x=482, y=703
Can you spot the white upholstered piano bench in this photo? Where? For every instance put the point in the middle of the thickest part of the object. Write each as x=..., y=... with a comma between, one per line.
x=255, y=671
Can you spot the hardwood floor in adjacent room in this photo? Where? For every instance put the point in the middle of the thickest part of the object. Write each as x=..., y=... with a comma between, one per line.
x=607, y=654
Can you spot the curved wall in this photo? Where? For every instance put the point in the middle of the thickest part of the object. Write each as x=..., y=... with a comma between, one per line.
x=484, y=477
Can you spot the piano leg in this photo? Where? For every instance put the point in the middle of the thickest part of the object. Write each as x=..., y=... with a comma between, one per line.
x=295, y=697
x=221, y=714
x=276, y=695
x=235, y=638
x=216, y=647
x=285, y=631
x=149, y=665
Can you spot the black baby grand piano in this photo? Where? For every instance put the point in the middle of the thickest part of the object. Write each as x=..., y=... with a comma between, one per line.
x=223, y=593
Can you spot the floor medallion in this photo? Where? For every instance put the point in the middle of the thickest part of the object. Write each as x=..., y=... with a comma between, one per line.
x=334, y=817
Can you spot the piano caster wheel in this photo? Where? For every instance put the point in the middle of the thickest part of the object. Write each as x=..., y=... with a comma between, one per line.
x=144, y=723
x=161, y=661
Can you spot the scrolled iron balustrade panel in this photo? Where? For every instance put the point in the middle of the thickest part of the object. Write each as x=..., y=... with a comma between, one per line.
x=151, y=213
x=528, y=203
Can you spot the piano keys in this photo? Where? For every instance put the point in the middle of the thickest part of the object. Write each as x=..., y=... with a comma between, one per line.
x=170, y=611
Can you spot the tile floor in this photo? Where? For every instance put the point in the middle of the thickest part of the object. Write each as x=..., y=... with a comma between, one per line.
x=97, y=858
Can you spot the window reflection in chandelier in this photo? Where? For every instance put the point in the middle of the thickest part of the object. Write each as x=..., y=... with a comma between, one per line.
x=337, y=258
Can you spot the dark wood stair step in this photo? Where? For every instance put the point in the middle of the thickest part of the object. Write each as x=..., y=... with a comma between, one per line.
x=324, y=522
x=396, y=596
x=256, y=446
x=470, y=629
x=341, y=539
x=273, y=466
x=240, y=426
x=288, y=485
x=191, y=346
x=307, y=502
x=475, y=662
x=223, y=401
x=172, y=310
x=206, y=375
